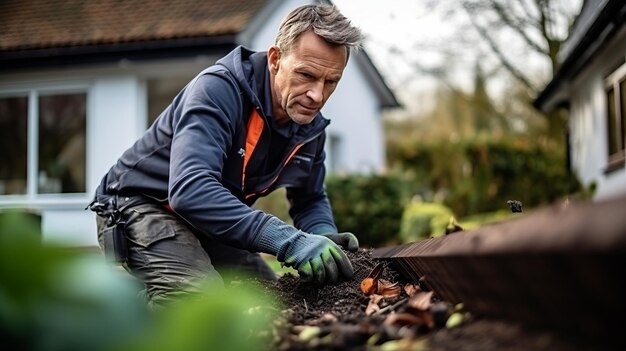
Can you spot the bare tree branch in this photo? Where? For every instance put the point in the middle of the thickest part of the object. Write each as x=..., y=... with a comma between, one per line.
x=517, y=26
x=503, y=59
x=554, y=45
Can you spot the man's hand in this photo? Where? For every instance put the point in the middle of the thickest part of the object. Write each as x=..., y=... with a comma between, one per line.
x=316, y=258
x=346, y=240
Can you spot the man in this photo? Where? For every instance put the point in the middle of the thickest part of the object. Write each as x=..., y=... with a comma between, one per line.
x=180, y=197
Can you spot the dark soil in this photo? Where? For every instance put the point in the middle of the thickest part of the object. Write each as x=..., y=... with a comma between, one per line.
x=333, y=317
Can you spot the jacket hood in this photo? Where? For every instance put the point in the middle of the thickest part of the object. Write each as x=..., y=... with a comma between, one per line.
x=238, y=62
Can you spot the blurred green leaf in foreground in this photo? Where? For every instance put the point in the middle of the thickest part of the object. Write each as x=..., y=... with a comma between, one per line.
x=57, y=298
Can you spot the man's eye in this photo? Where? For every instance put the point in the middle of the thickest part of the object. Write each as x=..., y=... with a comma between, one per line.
x=306, y=75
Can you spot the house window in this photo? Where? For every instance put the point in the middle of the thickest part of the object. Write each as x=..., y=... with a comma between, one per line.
x=42, y=136
x=334, y=160
x=616, y=118
x=13, y=141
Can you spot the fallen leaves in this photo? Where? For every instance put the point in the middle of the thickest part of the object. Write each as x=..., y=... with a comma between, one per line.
x=420, y=300
x=373, y=285
x=373, y=305
x=418, y=306
x=378, y=289
x=353, y=314
x=416, y=311
x=369, y=285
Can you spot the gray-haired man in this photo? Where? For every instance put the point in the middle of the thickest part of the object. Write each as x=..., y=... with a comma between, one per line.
x=180, y=197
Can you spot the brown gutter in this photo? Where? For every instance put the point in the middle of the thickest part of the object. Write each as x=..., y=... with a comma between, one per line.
x=561, y=268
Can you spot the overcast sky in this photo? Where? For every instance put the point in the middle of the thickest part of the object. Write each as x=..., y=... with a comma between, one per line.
x=403, y=24
x=419, y=32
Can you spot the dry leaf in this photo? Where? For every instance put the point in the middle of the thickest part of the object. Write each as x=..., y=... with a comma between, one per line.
x=388, y=289
x=412, y=289
x=419, y=318
x=369, y=285
x=421, y=301
x=372, y=306
x=402, y=319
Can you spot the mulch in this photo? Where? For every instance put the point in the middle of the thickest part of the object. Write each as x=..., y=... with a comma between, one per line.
x=333, y=317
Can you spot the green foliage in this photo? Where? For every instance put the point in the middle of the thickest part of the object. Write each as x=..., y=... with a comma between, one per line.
x=54, y=298
x=422, y=220
x=235, y=319
x=276, y=204
x=370, y=206
x=480, y=174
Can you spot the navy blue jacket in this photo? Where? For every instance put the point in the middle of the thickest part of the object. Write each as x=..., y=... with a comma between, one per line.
x=192, y=157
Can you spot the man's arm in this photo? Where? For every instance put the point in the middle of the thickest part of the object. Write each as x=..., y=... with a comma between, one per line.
x=208, y=114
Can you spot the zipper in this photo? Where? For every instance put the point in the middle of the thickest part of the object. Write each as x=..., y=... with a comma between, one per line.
x=273, y=181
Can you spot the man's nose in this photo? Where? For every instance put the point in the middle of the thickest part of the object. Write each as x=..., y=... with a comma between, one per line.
x=316, y=92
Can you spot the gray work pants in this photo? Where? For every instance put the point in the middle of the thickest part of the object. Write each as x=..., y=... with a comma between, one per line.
x=172, y=261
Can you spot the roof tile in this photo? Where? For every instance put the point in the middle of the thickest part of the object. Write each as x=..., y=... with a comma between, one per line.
x=35, y=24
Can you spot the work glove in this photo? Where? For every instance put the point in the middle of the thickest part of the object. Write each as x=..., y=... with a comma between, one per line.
x=346, y=240
x=316, y=258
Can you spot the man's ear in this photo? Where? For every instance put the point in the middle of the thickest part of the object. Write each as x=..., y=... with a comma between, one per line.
x=273, y=59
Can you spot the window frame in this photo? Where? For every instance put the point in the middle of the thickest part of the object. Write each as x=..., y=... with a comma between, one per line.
x=612, y=82
x=32, y=197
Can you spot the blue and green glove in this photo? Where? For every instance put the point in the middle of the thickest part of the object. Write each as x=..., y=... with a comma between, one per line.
x=346, y=240
x=316, y=257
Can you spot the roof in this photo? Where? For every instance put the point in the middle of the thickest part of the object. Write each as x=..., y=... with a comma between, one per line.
x=599, y=22
x=36, y=24
x=48, y=33
x=372, y=75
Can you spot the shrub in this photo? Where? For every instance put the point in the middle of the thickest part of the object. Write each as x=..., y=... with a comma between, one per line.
x=370, y=206
x=422, y=220
x=479, y=175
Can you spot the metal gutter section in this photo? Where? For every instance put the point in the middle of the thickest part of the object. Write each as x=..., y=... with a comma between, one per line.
x=561, y=267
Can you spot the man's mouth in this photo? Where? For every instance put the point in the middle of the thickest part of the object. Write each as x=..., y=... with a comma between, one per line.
x=312, y=109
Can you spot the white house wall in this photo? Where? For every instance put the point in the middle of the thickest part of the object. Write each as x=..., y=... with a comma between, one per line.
x=588, y=123
x=115, y=109
x=116, y=117
x=356, y=122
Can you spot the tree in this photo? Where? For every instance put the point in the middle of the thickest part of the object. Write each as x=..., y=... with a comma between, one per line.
x=520, y=38
x=541, y=26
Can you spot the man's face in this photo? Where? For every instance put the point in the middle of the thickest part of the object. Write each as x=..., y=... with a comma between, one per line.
x=304, y=78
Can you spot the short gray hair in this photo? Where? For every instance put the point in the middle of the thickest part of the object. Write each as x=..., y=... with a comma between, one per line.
x=325, y=21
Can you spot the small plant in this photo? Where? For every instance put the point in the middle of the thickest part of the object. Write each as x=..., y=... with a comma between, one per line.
x=422, y=220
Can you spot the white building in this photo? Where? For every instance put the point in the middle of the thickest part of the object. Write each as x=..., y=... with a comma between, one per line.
x=81, y=81
x=591, y=83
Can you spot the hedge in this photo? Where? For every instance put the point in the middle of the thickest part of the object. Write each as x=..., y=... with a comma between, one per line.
x=370, y=206
x=480, y=175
